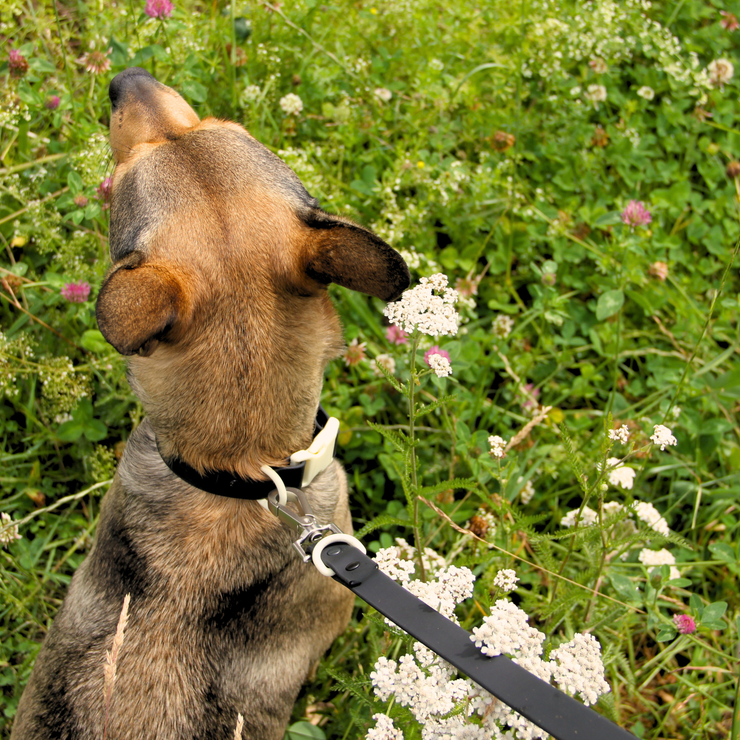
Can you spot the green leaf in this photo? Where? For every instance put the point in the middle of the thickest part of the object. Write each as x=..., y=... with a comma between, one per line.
x=39, y=64
x=624, y=587
x=666, y=634
x=713, y=613
x=609, y=303
x=398, y=440
x=446, y=485
x=70, y=431
x=95, y=430
x=696, y=604
x=75, y=182
x=194, y=91
x=304, y=731
x=723, y=551
x=94, y=341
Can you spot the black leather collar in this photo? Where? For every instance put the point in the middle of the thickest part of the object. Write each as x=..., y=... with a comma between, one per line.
x=222, y=483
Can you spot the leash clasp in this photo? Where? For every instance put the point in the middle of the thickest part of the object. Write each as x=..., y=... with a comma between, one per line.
x=303, y=524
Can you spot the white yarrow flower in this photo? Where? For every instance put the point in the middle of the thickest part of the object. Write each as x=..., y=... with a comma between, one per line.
x=579, y=669
x=384, y=729
x=662, y=436
x=588, y=517
x=620, y=475
x=250, y=94
x=429, y=307
x=506, y=580
x=291, y=104
x=440, y=365
x=655, y=559
x=620, y=435
x=651, y=516
x=646, y=92
x=498, y=445
x=527, y=491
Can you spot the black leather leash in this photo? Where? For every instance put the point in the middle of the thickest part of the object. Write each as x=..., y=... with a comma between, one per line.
x=540, y=702
x=336, y=553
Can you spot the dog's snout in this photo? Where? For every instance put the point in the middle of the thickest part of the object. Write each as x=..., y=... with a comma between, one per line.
x=126, y=80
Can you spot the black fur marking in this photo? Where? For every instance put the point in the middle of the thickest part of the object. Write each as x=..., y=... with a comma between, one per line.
x=116, y=565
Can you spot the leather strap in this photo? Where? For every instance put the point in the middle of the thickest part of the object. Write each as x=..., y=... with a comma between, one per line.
x=548, y=707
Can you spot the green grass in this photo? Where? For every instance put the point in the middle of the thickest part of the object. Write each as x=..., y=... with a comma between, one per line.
x=495, y=162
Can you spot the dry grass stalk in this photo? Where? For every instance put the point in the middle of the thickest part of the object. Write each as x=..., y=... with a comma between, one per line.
x=523, y=433
x=111, y=658
x=239, y=726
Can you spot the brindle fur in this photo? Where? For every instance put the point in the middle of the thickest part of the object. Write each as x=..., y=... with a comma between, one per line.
x=218, y=294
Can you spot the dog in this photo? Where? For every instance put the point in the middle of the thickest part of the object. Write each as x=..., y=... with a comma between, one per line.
x=218, y=295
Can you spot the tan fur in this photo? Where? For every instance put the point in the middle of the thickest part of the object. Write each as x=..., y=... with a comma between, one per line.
x=218, y=295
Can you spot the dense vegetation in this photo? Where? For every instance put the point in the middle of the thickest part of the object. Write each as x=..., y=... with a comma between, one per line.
x=572, y=167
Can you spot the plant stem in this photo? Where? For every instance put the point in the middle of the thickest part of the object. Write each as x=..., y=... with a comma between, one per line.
x=413, y=381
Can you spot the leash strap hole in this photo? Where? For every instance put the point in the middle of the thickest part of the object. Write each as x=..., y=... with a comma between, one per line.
x=333, y=539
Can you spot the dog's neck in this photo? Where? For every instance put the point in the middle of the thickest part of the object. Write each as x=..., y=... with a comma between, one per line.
x=239, y=397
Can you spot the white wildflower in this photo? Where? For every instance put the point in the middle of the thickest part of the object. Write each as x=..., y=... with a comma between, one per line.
x=250, y=94
x=498, y=445
x=388, y=362
x=506, y=631
x=579, y=668
x=291, y=104
x=383, y=677
x=596, y=94
x=646, y=92
x=384, y=729
x=441, y=365
x=11, y=533
x=651, y=516
x=676, y=412
x=619, y=474
x=389, y=561
x=436, y=64
x=662, y=436
x=526, y=492
x=383, y=93
x=421, y=309
x=502, y=325
x=655, y=559
x=720, y=71
x=620, y=435
x=506, y=580
x=588, y=517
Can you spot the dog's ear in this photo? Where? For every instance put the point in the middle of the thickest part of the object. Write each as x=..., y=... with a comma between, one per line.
x=138, y=304
x=344, y=253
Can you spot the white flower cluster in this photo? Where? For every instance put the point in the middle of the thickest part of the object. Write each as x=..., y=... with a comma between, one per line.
x=502, y=325
x=654, y=559
x=596, y=94
x=720, y=71
x=11, y=533
x=588, y=517
x=441, y=365
x=498, y=445
x=429, y=307
x=646, y=92
x=579, y=669
x=620, y=435
x=384, y=729
x=619, y=474
x=506, y=580
x=651, y=516
x=662, y=436
x=426, y=684
x=527, y=491
x=575, y=666
x=388, y=362
x=383, y=93
x=291, y=104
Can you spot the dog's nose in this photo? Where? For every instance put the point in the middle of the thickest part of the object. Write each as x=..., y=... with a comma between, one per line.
x=127, y=80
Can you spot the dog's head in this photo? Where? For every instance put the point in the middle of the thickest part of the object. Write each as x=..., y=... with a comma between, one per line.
x=221, y=261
